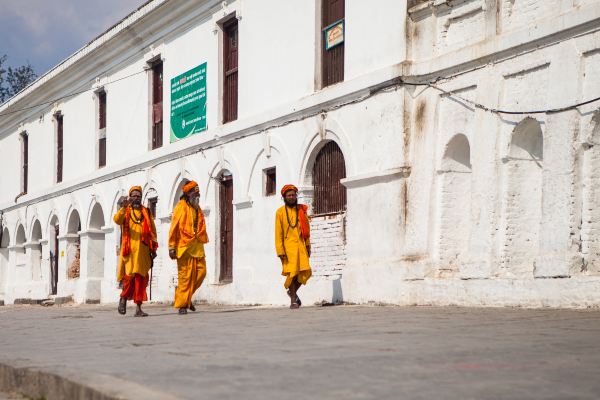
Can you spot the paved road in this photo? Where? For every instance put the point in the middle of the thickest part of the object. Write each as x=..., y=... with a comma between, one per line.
x=344, y=352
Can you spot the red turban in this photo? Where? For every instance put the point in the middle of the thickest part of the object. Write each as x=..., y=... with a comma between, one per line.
x=287, y=188
x=134, y=188
x=188, y=187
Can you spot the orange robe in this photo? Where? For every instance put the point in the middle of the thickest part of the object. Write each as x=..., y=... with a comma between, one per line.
x=138, y=261
x=289, y=242
x=187, y=237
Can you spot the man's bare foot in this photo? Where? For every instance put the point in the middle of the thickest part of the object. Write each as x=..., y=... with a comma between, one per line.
x=140, y=313
x=182, y=311
x=192, y=308
x=122, y=306
x=294, y=306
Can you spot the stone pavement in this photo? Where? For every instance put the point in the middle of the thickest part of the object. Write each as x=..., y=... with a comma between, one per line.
x=342, y=352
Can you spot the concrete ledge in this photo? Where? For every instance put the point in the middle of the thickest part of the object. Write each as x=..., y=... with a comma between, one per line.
x=59, y=383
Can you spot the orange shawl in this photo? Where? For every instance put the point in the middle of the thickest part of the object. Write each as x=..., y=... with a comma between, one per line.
x=148, y=237
x=303, y=219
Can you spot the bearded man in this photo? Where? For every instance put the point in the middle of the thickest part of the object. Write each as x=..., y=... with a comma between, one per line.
x=187, y=237
x=138, y=249
x=292, y=243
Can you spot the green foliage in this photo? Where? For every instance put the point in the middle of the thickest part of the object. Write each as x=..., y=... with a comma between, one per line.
x=13, y=80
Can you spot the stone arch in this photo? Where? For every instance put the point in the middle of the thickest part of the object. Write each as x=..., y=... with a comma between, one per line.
x=527, y=141
x=590, y=221
x=278, y=156
x=176, y=188
x=225, y=192
x=20, y=237
x=73, y=222
x=4, y=244
x=36, y=231
x=324, y=167
x=36, y=250
x=96, y=220
x=457, y=154
x=73, y=245
x=522, y=200
x=20, y=259
x=312, y=149
x=454, y=216
x=53, y=245
x=261, y=161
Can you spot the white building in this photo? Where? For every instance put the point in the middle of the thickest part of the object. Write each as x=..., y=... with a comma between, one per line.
x=443, y=199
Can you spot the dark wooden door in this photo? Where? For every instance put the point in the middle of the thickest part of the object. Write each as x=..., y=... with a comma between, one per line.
x=230, y=72
x=332, y=59
x=54, y=264
x=226, y=234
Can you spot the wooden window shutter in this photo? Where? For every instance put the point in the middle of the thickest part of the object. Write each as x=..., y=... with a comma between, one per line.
x=102, y=110
x=157, y=104
x=59, y=148
x=333, y=59
x=25, y=160
x=230, y=70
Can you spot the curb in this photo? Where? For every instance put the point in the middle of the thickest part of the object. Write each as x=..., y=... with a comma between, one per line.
x=61, y=383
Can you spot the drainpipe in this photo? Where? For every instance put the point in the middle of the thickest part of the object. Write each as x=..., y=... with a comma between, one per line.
x=20, y=195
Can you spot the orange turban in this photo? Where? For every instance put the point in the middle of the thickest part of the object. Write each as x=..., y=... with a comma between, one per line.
x=189, y=187
x=288, y=188
x=134, y=188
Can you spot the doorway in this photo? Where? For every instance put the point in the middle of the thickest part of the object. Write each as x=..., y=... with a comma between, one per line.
x=226, y=226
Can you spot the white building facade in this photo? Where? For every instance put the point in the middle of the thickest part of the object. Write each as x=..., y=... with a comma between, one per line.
x=442, y=145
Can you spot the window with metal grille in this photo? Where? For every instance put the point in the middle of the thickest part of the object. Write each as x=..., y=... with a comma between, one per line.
x=152, y=202
x=157, y=104
x=230, y=70
x=328, y=170
x=332, y=60
x=59, y=147
x=102, y=129
x=270, y=181
x=24, y=160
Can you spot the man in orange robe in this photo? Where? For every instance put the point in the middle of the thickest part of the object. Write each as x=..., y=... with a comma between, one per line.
x=187, y=237
x=292, y=243
x=138, y=249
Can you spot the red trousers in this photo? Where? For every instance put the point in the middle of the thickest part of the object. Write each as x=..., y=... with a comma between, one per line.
x=134, y=288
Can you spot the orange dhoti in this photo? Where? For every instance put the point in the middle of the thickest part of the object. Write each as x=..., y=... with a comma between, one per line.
x=191, y=272
x=134, y=288
x=187, y=237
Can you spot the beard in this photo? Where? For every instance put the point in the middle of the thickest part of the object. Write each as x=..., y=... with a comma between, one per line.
x=136, y=203
x=195, y=202
x=291, y=203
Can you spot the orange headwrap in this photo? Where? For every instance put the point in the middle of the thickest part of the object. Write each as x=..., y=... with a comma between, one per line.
x=134, y=188
x=189, y=187
x=287, y=188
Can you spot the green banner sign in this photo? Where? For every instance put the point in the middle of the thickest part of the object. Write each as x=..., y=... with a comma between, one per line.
x=188, y=103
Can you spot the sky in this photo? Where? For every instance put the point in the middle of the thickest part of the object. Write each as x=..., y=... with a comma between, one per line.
x=45, y=32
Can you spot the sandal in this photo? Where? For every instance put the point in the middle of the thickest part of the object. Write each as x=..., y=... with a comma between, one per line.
x=122, y=309
x=294, y=306
x=140, y=314
x=182, y=311
x=192, y=308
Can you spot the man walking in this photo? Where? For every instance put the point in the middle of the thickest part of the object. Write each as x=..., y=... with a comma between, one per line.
x=187, y=237
x=292, y=243
x=138, y=249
